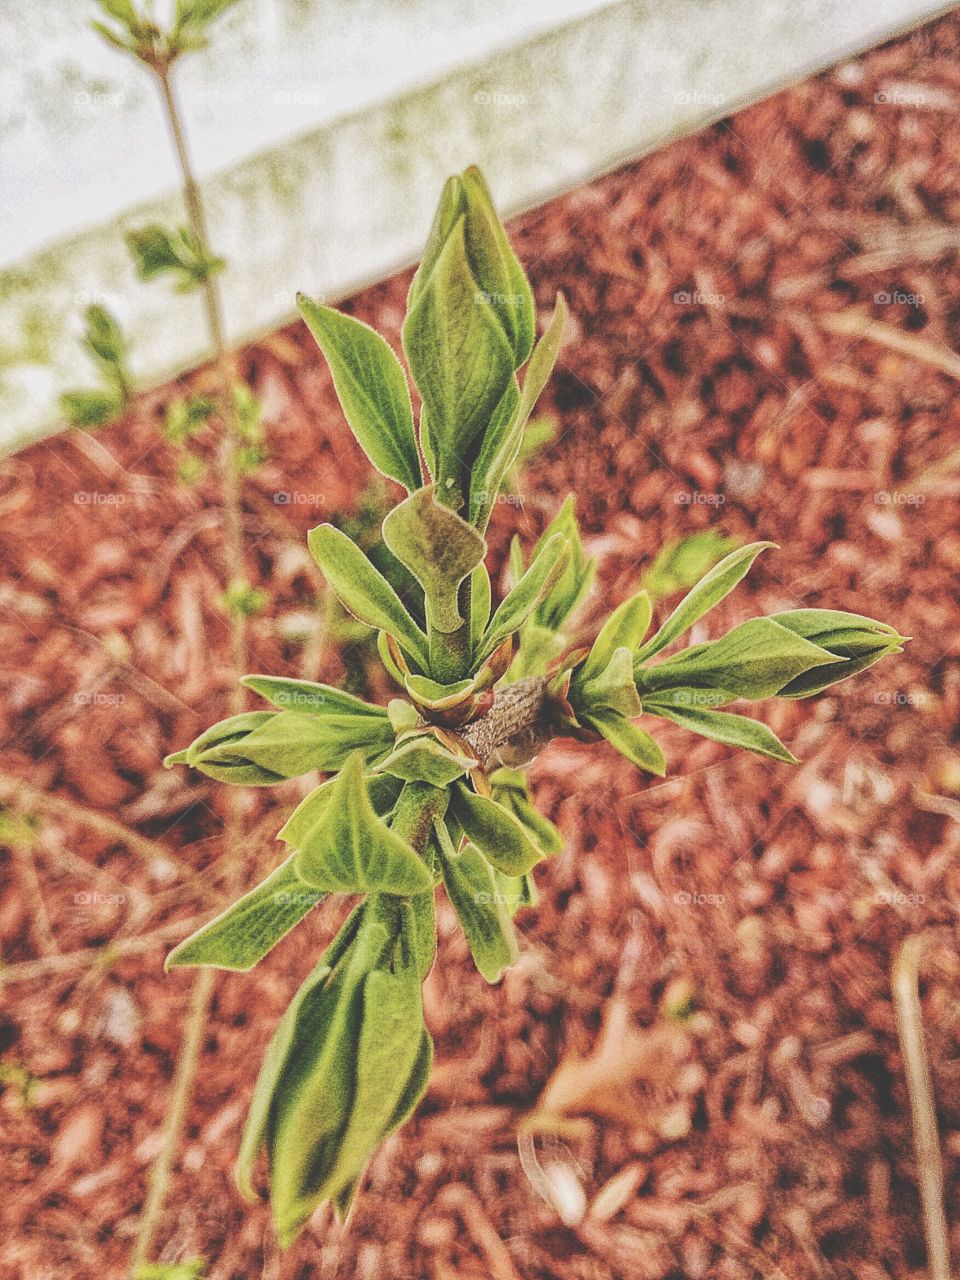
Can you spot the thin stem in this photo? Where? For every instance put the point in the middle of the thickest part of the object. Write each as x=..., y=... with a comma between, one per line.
x=213, y=303
x=905, y=981
x=159, y=1180
x=230, y=483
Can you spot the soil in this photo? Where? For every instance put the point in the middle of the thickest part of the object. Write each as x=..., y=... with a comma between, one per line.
x=765, y=316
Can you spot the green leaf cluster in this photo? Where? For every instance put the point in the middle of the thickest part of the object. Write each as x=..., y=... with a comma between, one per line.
x=133, y=28
x=417, y=795
x=106, y=344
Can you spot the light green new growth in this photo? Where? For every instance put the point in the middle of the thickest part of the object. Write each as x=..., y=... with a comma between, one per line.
x=430, y=790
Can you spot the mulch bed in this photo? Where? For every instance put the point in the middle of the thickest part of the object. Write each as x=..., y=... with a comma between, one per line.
x=743, y=914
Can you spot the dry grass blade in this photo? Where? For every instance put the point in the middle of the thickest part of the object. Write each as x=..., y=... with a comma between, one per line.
x=854, y=324
x=905, y=980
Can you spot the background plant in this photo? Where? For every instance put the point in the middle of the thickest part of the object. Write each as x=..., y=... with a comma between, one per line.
x=430, y=788
x=183, y=256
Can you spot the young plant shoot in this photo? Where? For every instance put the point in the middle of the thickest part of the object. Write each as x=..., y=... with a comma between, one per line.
x=430, y=789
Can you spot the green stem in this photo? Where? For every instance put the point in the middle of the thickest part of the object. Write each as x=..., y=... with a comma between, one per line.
x=159, y=1179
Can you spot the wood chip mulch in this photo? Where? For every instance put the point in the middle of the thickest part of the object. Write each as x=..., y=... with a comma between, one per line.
x=765, y=322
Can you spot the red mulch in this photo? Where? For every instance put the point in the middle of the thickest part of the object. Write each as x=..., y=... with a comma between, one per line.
x=770, y=1135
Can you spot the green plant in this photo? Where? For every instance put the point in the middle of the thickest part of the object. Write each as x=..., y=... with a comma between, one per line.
x=105, y=343
x=429, y=789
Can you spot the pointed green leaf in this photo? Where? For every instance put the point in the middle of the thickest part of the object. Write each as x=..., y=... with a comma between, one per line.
x=372, y=390
x=857, y=640
x=486, y=923
x=731, y=730
x=351, y=850
x=421, y=758
x=383, y=790
x=255, y=1128
x=497, y=268
x=567, y=593
x=438, y=548
x=292, y=743
x=709, y=591
x=630, y=740
x=754, y=660
x=388, y=1048
x=625, y=627
x=309, y=697
x=243, y=934
x=612, y=690
x=480, y=601
x=498, y=454
x=314, y=1094
x=364, y=591
x=495, y=831
x=526, y=595
x=458, y=356
x=492, y=461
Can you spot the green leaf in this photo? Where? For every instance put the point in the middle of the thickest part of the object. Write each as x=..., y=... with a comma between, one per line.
x=568, y=592
x=291, y=743
x=372, y=390
x=85, y=409
x=158, y=250
x=475, y=897
x=708, y=592
x=511, y=789
x=629, y=739
x=495, y=831
x=383, y=790
x=458, y=357
x=625, y=628
x=496, y=267
x=421, y=758
x=490, y=466
x=313, y=1096
x=438, y=548
x=731, y=730
x=498, y=453
x=241, y=936
x=526, y=595
x=858, y=641
x=351, y=850
x=754, y=660
x=480, y=602
x=389, y=1048
x=309, y=697
x=612, y=690
x=681, y=563
x=452, y=206
x=281, y=1043
x=201, y=752
x=364, y=591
